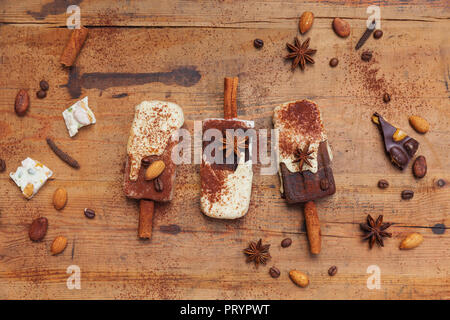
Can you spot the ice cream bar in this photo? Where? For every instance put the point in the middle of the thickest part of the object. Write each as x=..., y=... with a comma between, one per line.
x=150, y=140
x=227, y=186
x=305, y=160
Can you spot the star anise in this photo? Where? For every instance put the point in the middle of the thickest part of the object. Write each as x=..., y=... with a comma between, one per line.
x=300, y=52
x=257, y=252
x=303, y=156
x=375, y=230
x=234, y=144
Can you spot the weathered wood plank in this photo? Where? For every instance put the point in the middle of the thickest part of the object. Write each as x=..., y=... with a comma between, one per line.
x=411, y=63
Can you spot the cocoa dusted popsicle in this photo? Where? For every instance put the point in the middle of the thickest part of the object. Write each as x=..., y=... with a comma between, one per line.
x=305, y=161
x=227, y=186
x=150, y=171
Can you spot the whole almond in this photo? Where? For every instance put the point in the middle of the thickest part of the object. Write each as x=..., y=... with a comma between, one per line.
x=411, y=241
x=306, y=21
x=58, y=245
x=341, y=27
x=38, y=229
x=299, y=278
x=60, y=198
x=154, y=170
x=22, y=102
x=419, y=124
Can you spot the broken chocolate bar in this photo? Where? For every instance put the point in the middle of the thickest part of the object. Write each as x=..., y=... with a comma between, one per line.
x=399, y=146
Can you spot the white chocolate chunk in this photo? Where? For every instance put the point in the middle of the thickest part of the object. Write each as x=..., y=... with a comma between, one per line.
x=78, y=115
x=31, y=176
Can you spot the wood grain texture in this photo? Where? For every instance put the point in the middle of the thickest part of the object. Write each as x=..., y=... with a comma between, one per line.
x=190, y=255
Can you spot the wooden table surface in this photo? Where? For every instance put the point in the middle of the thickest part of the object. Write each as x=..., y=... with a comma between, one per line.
x=180, y=51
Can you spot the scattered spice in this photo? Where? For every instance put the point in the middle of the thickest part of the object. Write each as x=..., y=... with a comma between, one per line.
x=303, y=156
x=407, y=194
x=89, y=213
x=44, y=85
x=257, y=252
x=375, y=230
x=332, y=271
x=41, y=94
x=378, y=34
x=2, y=165
x=366, y=56
x=286, y=242
x=365, y=35
x=274, y=272
x=386, y=97
x=62, y=155
x=300, y=52
x=258, y=43
x=334, y=62
x=383, y=184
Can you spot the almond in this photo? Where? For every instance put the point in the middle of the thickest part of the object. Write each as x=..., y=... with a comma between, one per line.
x=58, y=245
x=60, y=198
x=399, y=135
x=411, y=241
x=154, y=170
x=419, y=124
x=306, y=21
x=341, y=27
x=38, y=229
x=22, y=103
x=299, y=278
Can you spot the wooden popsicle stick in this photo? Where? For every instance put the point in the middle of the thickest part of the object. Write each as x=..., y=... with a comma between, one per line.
x=230, y=97
x=147, y=207
x=313, y=227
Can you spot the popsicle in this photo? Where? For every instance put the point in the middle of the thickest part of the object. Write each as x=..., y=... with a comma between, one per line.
x=149, y=148
x=227, y=186
x=304, y=161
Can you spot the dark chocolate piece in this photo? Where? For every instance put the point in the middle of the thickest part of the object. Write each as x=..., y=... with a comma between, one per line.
x=306, y=186
x=400, y=152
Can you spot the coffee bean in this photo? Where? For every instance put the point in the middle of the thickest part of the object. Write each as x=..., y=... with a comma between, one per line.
x=274, y=272
x=420, y=167
x=378, y=34
x=258, y=43
x=386, y=97
x=334, y=62
x=41, y=94
x=158, y=184
x=146, y=162
x=332, y=271
x=407, y=194
x=2, y=165
x=89, y=213
x=286, y=242
x=383, y=184
x=44, y=85
x=441, y=183
x=366, y=56
x=324, y=184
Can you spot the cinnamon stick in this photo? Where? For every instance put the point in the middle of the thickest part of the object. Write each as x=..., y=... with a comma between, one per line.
x=73, y=47
x=230, y=97
x=147, y=208
x=313, y=227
